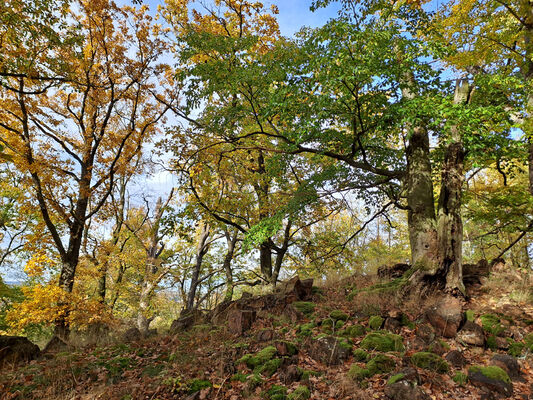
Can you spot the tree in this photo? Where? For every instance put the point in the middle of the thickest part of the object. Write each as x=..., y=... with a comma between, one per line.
x=72, y=141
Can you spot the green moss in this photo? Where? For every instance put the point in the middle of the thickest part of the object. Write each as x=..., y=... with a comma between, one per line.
x=291, y=347
x=197, y=385
x=529, y=342
x=261, y=357
x=357, y=373
x=491, y=372
x=254, y=381
x=395, y=378
x=268, y=368
x=460, y=378
x=316, y=290
x=491, y=342
x=300, y=393
x=306, y=329
x=240, y=377
x=469, y=315
x=360, y=355
x=491, y=324
x=516, y=349
x=337, y=315
x=375, y=322
x=380, y=364
x=276, y=392
x=306, y=374
x=433, y=347
x=327, y=323
x=339, y=324
x=305, y=307
x=382, y=342
x=344, y=344
x=404, y=321
x=354, y=331
x=430, y=361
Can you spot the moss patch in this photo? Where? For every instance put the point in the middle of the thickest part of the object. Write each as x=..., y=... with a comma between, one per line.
x=380, y=364
x=382, y=342
x=276, y=392
x=430, y=361
x=198, y=384
x=460, y=378
x=491, y=324
x=469, y=315
x=491, y=372
x=306, y=329
x=337, y=315
x=516, y=349
x=357, y=373
x=305, y=307
x=375, y=322
x=300, y=393
x=360, y=355
x=268, y=368
x=395, y=378
x=260, y=358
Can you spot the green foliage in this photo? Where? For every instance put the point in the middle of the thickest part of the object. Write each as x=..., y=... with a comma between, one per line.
x=430, y=361
x=196, y=385
x=460, y=378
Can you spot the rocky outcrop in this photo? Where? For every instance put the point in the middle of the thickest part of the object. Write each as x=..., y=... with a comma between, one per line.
x=14, y=349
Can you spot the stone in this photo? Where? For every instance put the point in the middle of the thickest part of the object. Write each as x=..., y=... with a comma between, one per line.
x=55, y=345
x=265, y=335
x=430, y=361
x=426, y=333
x=285, y=348
x=472, y=334
x=290, y=374
x=508, y=363
x=493, y=379
x=329, y=350
x=456, y=359
x=382, y=342
x=14, y=349
x=501, y=343
x=446, y=316
x=301, y=290
x=185, y=321
x=239, y=321
x=438, y=347
x=392, y=325
x=292, y=313
x=404, y=390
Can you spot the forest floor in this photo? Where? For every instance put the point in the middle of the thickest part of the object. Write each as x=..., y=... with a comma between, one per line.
x=203, y=363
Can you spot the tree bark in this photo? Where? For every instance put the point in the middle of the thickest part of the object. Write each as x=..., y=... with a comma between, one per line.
x=201, y=251
x=231, y=241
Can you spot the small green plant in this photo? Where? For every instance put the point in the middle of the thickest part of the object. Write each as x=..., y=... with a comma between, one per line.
x=198, y=384
x=460, y=378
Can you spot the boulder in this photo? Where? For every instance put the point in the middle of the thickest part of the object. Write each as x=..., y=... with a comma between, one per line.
x=395, y=271
x=404, y=390
x=508, y=363
x=426, y=333
x=239, y=321
x=330, y=350
x=55, y=345
x=446, y=317
x=456, y=359
x=290, y=374
x=492, y=379
x=472, y=334
x=17, y=348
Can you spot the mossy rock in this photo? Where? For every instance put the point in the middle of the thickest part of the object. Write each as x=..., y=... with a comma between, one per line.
x=491, y=372
x=300, y=393
x=516, y=349
x=269, y=367
x=339, y=324
x=405, y=321
x=239, y=377
x=198, y=384
x=375, y=322
x=276, y=392
x=306, y=374
x=357, y=373
x=434, y=347
x=327, y=323
x=260, y=358
x=491, y=324
x=491, y=342
x=382, y=342
x=460, y=378
x=354, y=331
x=430, y=361
x=528, y=340
x=290, y=348
x=338, y=315
x=305, y=307
x=360, y=355
x=254, y=381
x=395, y=378
x=380, y=364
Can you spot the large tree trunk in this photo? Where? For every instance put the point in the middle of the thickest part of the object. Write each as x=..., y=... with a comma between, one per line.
x=450, y=224
x=143, y=321
x=231, y=241
x=265, y=259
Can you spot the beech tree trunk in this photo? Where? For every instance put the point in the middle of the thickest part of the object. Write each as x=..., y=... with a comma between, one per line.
x=231, y=241
x=201, y=251
x=450, y=224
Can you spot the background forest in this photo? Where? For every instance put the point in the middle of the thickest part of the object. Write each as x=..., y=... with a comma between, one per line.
x=398, y=131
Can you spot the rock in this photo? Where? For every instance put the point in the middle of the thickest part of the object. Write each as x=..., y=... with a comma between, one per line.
x=456, y=359
x=292, y=313
x=426, y=333
x=508, y=363
x=446, y=316
x=395, y=271
x=290, y=374
x=472, y=273
x=375, y=322
x=430, y=361
x=501, y=343
x=493, y=379
x=382, y=342
x=329, y=350
x=438, y=347
x=17, y=348
x=185, y=321
x=404, y=390
x=410, y=374
x=239, y=321
x=497, y=265
x=392, y=325
x=301, y=290
x=472, y=334
x=285, y=348
x=55, y=345
x=265, y=335
x=132, y=335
